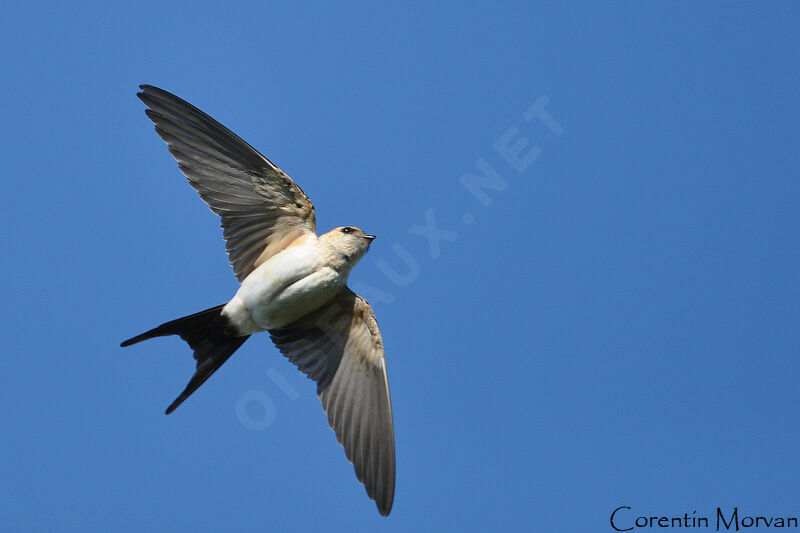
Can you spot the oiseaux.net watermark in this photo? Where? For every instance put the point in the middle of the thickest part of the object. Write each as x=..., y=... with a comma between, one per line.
x=515, y=153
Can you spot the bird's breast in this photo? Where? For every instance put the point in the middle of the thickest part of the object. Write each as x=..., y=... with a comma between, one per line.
x=288, y=286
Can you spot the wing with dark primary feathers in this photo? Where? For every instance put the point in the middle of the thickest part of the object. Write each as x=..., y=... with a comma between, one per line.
x=262, y=209
x=340, y=347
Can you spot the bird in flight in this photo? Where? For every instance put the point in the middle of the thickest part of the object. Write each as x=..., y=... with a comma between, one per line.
x=293, y=284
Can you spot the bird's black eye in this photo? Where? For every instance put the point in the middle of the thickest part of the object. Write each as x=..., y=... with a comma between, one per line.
x=347, y=230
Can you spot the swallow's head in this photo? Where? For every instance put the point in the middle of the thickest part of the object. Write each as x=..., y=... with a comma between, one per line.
x=349, y=241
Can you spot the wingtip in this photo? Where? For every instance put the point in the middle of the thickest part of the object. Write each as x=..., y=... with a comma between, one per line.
x=384, y=505
x=149, y=92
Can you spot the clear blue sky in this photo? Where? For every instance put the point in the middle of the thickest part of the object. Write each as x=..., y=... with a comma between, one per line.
x=619, y=324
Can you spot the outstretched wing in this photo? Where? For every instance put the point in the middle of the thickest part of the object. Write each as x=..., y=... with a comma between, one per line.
x=339, y=346
x=262, y=209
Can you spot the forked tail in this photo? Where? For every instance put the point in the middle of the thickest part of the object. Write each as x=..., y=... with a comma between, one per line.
x=209, y=334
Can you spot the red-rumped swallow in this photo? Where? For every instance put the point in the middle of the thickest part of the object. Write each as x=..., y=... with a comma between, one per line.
x=293, y=284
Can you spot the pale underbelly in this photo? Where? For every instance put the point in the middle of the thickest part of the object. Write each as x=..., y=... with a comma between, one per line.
x=274, y=300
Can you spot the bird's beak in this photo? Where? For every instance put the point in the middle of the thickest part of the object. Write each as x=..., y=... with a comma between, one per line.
x=369, y=237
